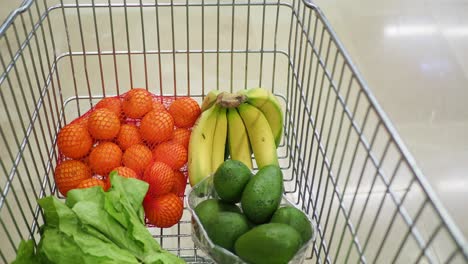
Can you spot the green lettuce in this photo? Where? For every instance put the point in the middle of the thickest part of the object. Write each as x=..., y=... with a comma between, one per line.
x=94, y=226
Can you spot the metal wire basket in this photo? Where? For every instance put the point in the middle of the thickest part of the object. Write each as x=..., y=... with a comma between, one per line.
x=343, y=162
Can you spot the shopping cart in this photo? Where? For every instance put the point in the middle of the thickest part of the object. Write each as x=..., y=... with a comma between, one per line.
x=343, y=162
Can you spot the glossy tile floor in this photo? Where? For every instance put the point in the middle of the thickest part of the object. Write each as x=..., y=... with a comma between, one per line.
x=413, y=56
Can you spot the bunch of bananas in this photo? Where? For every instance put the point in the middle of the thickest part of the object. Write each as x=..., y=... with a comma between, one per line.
x=235, y=125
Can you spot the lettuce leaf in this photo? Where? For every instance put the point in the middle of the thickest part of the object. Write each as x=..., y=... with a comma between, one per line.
x=94, y=226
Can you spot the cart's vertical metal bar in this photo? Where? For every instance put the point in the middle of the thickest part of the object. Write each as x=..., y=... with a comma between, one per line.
x=374, y=136
x=187, y=27
x=57, y=75
x=275, y=47
x=114, y=54
x=262, y=45
x=332, y=160
x=233, y=15
x=14, y=170
x=143, y=39
x=217, y=42
x=247, y=46
x=374, y=221
x=297, y=92
x=83, y=47
x=410, y=228
x=72, y=64
x=29, y=114
x=158, y=40
x=174, y=66
x=203, y=47
x=304, y=111
x=98, y=46
x=127, y=31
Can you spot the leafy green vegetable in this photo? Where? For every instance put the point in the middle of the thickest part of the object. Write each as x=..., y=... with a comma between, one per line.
x=94, y=226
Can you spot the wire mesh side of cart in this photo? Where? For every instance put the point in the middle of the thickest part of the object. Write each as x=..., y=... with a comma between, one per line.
x=344, y=164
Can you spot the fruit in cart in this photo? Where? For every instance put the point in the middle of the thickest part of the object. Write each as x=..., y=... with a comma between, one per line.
x=254, y=124
x=163, y=211
x=262, y=194
x=137, y=158
x=208, y=210
x=171, y=153
x=230, y=179
x=226, y=228
x=74, y=141
x=185, y=112
x=158, y=106
x=238, y=140
x=128, y=136
x=210, y=99
x=272, y=243
x=269, y=105
x=219, y=140
x=105, y=157
x=160, y=178
x=114, y=104
x=103, y=124
x=201, y=146
x=92, y=182
x=137, y=102
x=180, y=182
x=123, y=172
x=181, y=136
x=296, y=219
x=70, y=174
x=260, y=136
x=156, y=127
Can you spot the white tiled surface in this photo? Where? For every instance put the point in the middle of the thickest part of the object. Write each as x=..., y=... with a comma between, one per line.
x=413, y=53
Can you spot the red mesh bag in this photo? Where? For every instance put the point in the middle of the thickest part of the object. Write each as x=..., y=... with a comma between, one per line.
x=123, y=133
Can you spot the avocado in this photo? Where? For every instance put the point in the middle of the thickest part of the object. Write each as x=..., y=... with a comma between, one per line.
x=262, y=195
x=295, y=218
x=230, y=179
x=226, y=228
x=209, y=210
x=272, y=243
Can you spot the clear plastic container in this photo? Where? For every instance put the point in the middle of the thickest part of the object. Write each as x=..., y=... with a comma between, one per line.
x=204, y=191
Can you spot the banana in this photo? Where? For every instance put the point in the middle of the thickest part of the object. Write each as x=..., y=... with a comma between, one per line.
x=219, y=141
x=210, y=99
x=238, y=140
x=270, y=107
x=261, y=137
x=201, y=146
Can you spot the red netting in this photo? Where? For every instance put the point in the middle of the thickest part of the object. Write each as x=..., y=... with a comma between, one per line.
x=128, y=133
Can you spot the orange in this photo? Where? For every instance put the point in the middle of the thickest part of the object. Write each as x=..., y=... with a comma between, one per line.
x=103, y=124
x=69, y=174
x=105, y=157
x=160, y=178
x=112, y=103
x=171, y=153
x=163, y=211
x=74, y=141
x=137, y=158
x=91, y=182
x=137, y=102
x=128, y=136
x=185, y=112
x=182, y=136
x=124, y=172
x=158, y=106
x=157, y=127
x=180, y=182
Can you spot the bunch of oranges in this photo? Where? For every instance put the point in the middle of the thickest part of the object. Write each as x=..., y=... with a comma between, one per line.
x=139, y=135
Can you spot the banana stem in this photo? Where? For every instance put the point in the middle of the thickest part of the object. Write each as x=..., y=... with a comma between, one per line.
x=229, y=100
